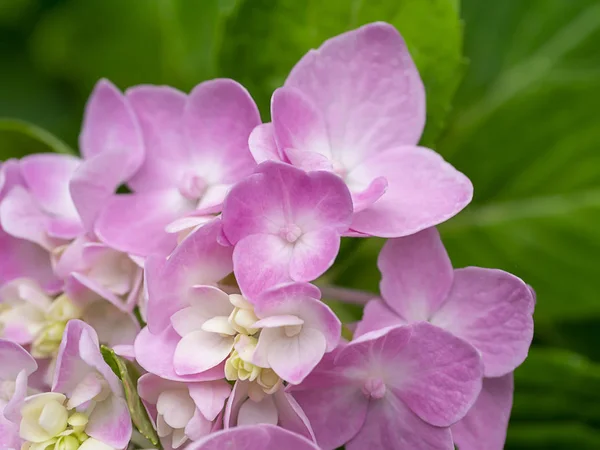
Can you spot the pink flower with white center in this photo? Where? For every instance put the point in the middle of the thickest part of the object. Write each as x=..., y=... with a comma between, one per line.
x=250, y=405
x=196, y=148
x=487, y=420
x=296, y=330
x=285, y=225
x=188, y=329
x=256, y=437
x=87, y=397
x=15, y=368
x=490, y=309
x=356, y=107
x=183, y=411
x=20, y=257
x=398, y=388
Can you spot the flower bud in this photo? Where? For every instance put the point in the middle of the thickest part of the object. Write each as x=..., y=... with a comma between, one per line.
x=238, y=369
x=269, y=381
x=44, y=417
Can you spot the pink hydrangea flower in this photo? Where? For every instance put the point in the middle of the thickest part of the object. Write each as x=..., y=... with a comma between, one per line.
x=356, y=107
x=250, y=406
x=490, y=309
x=183, y=411
x=196, y=148
x=397, y=388
x=296, y=330
x=256, y=437
x=285, y=225
x=20, y=257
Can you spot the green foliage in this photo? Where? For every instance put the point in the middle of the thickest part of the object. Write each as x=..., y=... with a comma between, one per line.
x=19, y=138
x=129, y=375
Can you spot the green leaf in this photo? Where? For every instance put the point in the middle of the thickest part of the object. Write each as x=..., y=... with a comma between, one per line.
x=555, y=405
x=129, y=375
x=525, y=130
x=19, y=138
x=268, y=37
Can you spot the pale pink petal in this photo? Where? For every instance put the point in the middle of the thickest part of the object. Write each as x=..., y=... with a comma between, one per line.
x=416, y=275
x=113, y=325
x=14, y=359
x=423, y=191
x=135, y=223
x=492, y=310
x=255, y=437
x=198, y=426
x=110, y=125
x=278, y=321
x=200, y=351
x=293, y=358
x=198, y=260
x=368, y=88
x=151, y=386
x=88, y=388
x=12, y=409
x=9, y=433
x=377, y=315
x=47, y=176
x=155, y=353
x=487, y=420
x=390, y=425
x=238, y=396
x=291, y=415
x=110, y=423
x=21, y=217
x=298, y=124
x=301, y=300
x=218, y=119
x=308, y=161
x=262, y=144
x=314, y=253
x=261, y=261
x=255, y=413
x=159, y=110
x=210, y=397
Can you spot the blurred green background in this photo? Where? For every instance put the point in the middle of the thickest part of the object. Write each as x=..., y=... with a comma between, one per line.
x=513, y=101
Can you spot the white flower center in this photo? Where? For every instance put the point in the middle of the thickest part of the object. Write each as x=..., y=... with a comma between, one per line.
x=290, y=232
x=374, y=387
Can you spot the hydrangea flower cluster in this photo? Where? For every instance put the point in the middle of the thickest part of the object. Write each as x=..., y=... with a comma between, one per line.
x=205, y=275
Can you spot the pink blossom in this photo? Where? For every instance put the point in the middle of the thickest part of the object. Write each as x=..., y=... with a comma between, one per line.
x=183, y=411
x=356, y=107
x=397, y=388
x=256, y=437
x=488, y=308
x=195, y=150
x=285, y=225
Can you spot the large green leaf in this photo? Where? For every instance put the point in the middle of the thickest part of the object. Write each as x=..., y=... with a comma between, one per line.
x=267, y=37
x=128, y=375
x=525, y=130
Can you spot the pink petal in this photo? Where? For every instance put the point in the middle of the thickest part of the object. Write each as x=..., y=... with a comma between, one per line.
x=298, y=124
x=151, y=386
x=278, y=321
x=155, y=353
x=261, y=261
x=262, y=144
x=47, y=176
x=487, y=420
x=416, y=275
x=159, y=110
x=21, y=217
x=370, y=194
x=200, y=351
x=308, y=161
x=256, y=437
x=301, y=300
x=335, y=407
x=12, y=409
x=376, y=316
x=390, y=425
x=423, y=191
x=198, y=260
x=291, y=415
x=255, y=413
x=14, y=359
x=367, y=86
x=314, y=253
x=110, y=423
x=210, y=397
x=113, y=325
x=239, y=394
x=9, y=434
x=198, y=426
x=135, y=223
x=109, y=124
x=492, y=310
x=218, y=119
